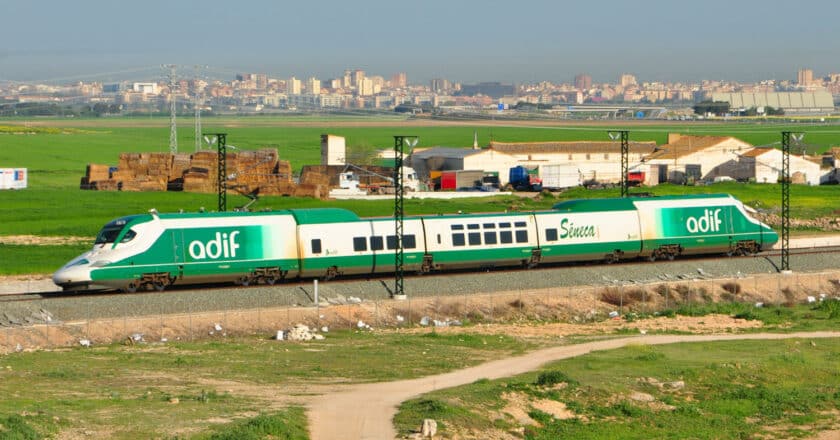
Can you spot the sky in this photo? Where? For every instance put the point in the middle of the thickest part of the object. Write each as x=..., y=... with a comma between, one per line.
x=462, y=40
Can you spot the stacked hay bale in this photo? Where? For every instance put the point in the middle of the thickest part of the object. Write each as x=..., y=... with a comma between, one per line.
x=98, y=177
x=202, y=175
x=314, y=182
x=151, y=172
x=248, y=171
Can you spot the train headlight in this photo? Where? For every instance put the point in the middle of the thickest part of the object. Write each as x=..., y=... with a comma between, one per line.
x=100, y=263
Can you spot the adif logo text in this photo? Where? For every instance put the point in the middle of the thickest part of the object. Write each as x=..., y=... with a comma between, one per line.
x=223, y=246
x=709, y=222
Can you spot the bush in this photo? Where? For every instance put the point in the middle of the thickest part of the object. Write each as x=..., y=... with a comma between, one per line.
x=830, y=306
x=621, y=297
x=732, y=287
x=553, y=377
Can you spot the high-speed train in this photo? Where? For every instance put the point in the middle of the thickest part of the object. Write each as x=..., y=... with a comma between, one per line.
x=156, y=250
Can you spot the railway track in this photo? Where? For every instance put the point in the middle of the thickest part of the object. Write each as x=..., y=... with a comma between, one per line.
x=22, y=297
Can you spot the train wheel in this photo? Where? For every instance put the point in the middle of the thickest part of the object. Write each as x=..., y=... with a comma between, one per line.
x=159, y=285
x=652, y=257
x=671, y=257
x=270, y=280
x=130, y=287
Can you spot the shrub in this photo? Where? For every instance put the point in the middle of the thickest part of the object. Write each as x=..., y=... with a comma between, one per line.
x=732, y=287
x=619, y=297
x=553, y=377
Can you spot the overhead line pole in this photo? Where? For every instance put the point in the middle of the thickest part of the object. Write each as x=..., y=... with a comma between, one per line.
x=624, y=137
x=221, y=175
x=399, y=214
x=787, y=138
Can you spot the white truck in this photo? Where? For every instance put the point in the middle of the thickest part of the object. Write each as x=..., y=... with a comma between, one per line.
x=349, y=180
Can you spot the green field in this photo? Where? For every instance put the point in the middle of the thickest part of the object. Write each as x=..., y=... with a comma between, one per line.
x=212, y=389
x=56, y=152
x=253, y=387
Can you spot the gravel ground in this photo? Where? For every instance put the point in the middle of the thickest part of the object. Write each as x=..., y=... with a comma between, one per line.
x=301, y=292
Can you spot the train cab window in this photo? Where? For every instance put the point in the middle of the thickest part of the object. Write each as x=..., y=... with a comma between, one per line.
x=504, y=225
x=489, y=237
x=458, y=239
x=129, y=235
x=521, y=236
x=520, y=224
x=474, y=238
x=376, y=243
x=506, y=237
x=316, y=246
x=551, y=234
x=457, y=227
x=359, y=244
x=409, y=241
x=108, y=234
x=473, y=226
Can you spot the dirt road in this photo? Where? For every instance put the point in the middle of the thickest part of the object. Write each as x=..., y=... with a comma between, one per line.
x=366, y=411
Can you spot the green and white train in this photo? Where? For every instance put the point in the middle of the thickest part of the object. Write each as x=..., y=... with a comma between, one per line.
x=157, y=250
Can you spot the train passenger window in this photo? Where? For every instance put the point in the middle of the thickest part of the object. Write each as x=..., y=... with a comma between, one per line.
x=473, y=226
x=506, y=237
x=521, y=236
x=376, y=243
x=316, y=246
x=489, y=226
x=359, y=244
x=504, y=225
x=457, y=227
x=489, y=237
x=458, y=240
x=391, y=241
x=520, y=224
x=409, y=241
x=129, y=235
x=474, y=238
x=551, y=234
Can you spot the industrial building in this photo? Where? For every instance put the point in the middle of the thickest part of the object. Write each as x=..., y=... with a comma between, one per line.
x=790, y=102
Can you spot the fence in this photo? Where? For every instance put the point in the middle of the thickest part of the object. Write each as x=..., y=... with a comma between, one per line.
x=573, y=304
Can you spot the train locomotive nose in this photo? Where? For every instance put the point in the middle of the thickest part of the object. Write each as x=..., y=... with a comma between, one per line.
x=74, y=275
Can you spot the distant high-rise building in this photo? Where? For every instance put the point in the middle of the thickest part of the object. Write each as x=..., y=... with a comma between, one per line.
x=399, y=80
x=627, y=80
x=440, y=85
x=805, y=77
x=583, y=82
x=257, y=81
x=293, y=86
x=313, y=86
x=365, y=87
x=356, y=77
x=346, y=79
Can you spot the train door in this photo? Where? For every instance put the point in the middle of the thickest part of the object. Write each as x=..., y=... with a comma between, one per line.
x=178, y=252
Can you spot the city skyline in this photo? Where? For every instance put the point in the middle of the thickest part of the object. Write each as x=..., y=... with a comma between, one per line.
x=468, y=42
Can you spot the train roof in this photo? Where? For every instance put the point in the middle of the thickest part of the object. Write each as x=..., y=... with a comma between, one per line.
x=314, y=216
x=623, y=204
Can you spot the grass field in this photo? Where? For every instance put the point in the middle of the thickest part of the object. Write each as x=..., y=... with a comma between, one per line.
x=57, y=151
x=129, y=392
x=252, y=387
x=729, y=390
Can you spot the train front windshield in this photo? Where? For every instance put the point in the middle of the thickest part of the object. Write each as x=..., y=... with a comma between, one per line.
x=111, y=232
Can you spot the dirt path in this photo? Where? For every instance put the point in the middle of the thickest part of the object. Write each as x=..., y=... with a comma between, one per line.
x=366, y=411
